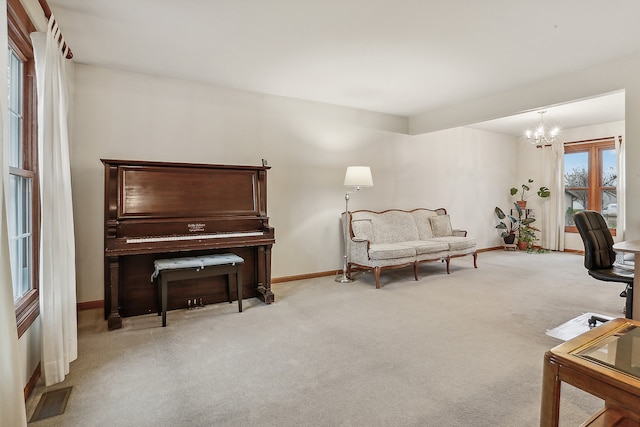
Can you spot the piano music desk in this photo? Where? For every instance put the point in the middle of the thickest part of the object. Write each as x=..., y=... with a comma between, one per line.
x=174, y=269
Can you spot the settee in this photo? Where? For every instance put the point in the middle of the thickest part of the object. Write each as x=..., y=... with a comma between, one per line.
x=398, y=238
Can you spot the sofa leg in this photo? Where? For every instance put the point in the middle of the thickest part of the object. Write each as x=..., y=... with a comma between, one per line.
x=448, y=260
x=376, y=270
x=415, y=270
x=475, y=260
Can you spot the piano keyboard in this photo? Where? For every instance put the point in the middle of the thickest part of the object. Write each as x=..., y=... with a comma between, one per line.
x=193, y=237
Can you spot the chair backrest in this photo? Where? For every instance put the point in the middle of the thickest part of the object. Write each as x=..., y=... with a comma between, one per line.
x=597, y=239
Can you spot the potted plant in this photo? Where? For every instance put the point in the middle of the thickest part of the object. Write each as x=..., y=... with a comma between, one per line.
x=507, y=224
x=522, y=193
x=526, y=237
x=513, y=226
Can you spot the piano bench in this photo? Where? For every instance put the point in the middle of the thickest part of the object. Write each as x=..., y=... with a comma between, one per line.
x=174, y=269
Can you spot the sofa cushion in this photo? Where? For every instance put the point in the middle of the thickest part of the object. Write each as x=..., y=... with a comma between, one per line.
x=393, y=227
x=362, y=229
x=441, y=225
x=457, y=243
x=423, y=224
x=390, y=251
x=428, y=246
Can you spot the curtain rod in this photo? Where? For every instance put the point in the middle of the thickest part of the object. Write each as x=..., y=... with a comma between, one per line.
x=585, y=141
x=47, y=13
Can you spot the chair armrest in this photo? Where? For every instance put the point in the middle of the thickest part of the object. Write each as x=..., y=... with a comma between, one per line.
x=459, y=233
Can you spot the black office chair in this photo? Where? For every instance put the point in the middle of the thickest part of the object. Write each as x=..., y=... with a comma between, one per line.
x=599, y=256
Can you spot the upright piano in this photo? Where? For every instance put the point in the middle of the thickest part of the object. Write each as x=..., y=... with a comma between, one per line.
x=155, y=210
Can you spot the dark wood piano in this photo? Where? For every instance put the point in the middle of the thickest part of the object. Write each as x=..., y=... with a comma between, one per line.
x=157, y=210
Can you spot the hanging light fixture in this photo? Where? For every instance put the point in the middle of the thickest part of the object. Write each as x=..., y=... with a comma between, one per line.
x=540, y=135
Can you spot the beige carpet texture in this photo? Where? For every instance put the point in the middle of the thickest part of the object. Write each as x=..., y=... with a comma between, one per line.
x=459, y=349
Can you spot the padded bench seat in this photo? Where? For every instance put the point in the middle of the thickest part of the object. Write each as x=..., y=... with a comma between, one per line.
x=175, y=269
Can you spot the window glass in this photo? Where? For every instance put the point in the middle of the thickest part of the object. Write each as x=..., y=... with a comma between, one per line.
x=609, y=195
x=23, y=201
x=15, y=110
x=576, y=182
x=20, y=235
x=591, y=179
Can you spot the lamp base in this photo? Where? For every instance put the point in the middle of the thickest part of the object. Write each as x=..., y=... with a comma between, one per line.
x=343, y=278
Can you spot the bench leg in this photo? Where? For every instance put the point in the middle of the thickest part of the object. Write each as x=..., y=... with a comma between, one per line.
x=229, y=280
x=163, y=294
x=239, y=286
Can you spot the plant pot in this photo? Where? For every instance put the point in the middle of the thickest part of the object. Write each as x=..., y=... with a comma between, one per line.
x=522, y=204
x=509, y=239
x=523, y=245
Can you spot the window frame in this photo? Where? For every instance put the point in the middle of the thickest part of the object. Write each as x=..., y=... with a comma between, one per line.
x=27, y=308
x=594, y=149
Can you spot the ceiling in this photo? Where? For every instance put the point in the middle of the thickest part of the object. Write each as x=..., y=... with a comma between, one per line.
x=402, y=57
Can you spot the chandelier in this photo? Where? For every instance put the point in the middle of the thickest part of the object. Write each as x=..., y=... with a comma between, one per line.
x=540, y=135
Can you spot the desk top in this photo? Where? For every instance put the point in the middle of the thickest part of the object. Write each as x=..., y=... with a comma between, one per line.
x=632, y=246
x=611, y=349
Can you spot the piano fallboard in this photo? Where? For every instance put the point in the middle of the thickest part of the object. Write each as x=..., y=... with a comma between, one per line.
x=180, y=243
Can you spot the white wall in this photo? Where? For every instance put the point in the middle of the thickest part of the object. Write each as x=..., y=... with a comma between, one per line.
x=601, y=79
x=125, y=115
x=466, y=171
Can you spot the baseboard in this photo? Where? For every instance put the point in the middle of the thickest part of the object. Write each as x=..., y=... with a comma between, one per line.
x=495, y=248
x=304, y=276
x=88, y=305
x=31, y=384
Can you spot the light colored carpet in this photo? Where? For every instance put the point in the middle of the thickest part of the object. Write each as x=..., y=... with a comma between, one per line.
x=464, y=349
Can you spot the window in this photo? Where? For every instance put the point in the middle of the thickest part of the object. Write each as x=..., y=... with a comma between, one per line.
x=23, y=179
x=590, y=180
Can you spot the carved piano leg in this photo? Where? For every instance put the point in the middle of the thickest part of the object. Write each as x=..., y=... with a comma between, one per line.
x=264, y=275
x=114, y=321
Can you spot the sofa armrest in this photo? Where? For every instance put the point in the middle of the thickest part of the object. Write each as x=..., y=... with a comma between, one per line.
x=459, y=233
x=358, y=250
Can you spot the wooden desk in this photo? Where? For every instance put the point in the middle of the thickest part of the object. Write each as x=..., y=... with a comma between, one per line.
x=604, y=362
x=632, y=246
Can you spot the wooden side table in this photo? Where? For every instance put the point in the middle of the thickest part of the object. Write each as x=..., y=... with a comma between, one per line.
x=604, y=362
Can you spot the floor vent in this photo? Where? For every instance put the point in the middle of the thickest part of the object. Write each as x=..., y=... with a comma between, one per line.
x=51, y=403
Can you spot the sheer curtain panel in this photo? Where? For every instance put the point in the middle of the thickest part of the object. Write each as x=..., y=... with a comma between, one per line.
x=621, y=190
x=553, y=208
x=57, y=248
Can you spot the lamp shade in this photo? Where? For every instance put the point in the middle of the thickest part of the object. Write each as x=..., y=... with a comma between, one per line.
x=358, y=176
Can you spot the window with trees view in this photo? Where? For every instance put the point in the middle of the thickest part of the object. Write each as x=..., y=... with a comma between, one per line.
x=24, y=207
x=591, y=180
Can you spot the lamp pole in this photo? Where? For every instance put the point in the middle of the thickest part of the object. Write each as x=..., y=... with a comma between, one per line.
x=344, y=278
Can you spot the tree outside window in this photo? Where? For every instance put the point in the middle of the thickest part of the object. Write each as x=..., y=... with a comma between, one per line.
x=591, y=180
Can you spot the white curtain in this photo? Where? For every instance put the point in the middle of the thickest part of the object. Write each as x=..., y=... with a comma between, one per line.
x=57, y=246
x=553, y=207
x=621, y=199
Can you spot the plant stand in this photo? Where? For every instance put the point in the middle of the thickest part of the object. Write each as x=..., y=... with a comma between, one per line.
x=509, y=246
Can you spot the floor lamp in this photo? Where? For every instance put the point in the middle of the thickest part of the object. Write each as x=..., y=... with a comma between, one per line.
x=356, y=177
